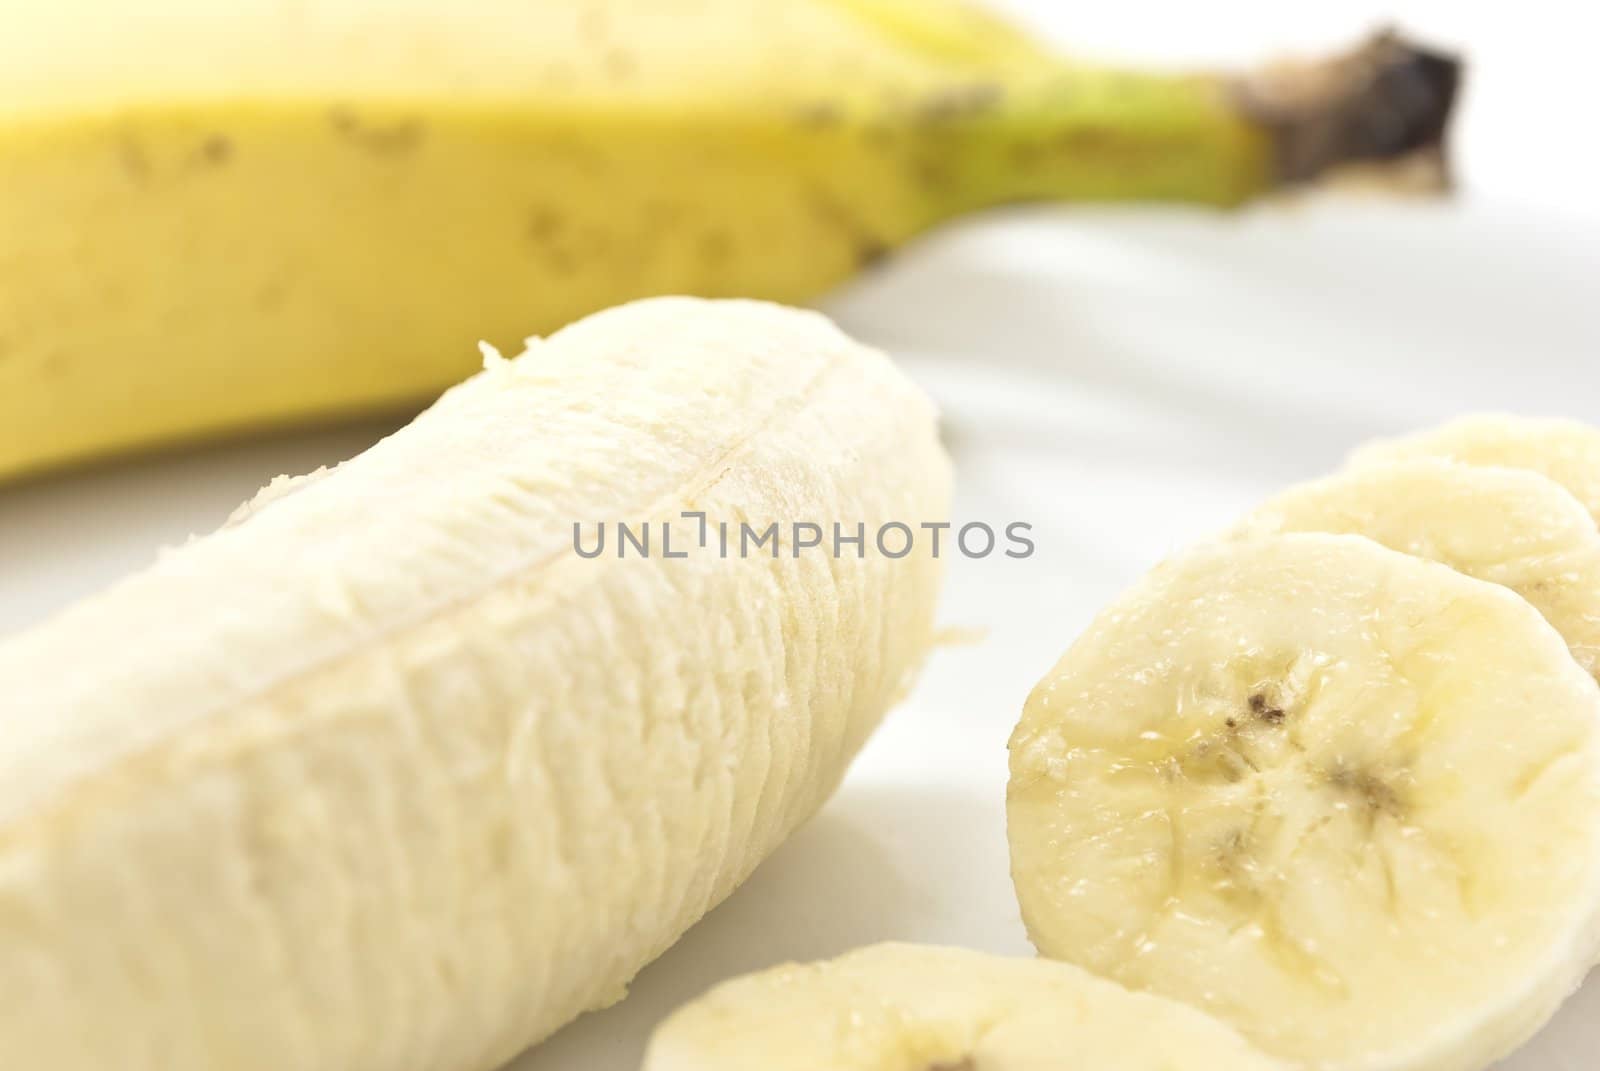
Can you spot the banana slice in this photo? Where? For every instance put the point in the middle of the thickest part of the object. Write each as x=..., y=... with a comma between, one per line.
x=1567, y=451
x=1512, y=527
x=1342, y=798
x=384, y=776
x=898, y=1007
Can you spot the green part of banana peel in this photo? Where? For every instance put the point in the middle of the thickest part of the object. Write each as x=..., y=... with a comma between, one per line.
x=220, y=221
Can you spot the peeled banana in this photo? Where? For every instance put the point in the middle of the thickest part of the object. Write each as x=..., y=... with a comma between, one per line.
x=220, y=217
x=1508, y=526
x=1341, y=798
x=1567, y=451
x=384, y=776
x=897, y=1007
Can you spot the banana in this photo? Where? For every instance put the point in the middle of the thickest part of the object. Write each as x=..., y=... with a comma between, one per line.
x=1511, y=527
x=899, y=1007
x=383, y=775
x=1567, y=451
x=224, y=217
x=1343, y=799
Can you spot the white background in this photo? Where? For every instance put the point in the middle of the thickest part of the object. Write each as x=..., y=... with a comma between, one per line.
x=1125, y=380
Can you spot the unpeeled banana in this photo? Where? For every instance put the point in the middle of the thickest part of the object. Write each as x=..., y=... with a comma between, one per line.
x=899, y=1007
x=383, y=775
x=1343, y=799
x=218, y=217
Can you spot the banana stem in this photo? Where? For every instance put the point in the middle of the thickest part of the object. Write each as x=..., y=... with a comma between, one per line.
x=1087, y=135
x=1386, y=101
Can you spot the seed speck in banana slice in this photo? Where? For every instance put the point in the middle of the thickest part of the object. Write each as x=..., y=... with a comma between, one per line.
x=898, y=1007
x=1567, y=451
x=1342, y=798
x=1512, y=527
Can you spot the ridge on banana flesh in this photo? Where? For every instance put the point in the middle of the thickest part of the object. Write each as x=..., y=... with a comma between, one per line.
x=901, y=1007
x=1511, y=527
x=222, y=217
x=1567, y=451
x=383, y=776
x=1341, y=798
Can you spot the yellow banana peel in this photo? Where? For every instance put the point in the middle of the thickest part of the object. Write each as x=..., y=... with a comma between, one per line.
x=225, y=217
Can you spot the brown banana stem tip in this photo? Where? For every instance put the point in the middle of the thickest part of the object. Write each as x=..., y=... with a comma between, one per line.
x=1388, y=102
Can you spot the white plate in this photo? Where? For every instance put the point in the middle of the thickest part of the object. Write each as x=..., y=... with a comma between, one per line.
x=1126, y=382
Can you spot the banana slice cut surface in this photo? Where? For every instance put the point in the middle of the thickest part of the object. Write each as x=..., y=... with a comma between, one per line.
x=897, y=1007
x=1567, y=451
x=1512, y=527
x=1342, y=798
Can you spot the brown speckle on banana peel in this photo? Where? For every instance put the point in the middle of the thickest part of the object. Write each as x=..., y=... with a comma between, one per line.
x=544, y=223
x=216, y=149
x=832, y=211
x=390, y=138
x=715, y=247
x=959, y=102
x=133, y=157
x=822, y=115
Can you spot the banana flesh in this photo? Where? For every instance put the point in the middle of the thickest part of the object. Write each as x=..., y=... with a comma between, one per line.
x=383, y=776
x=898, y=1007
x=1511, y=527
x=1342, y=799
x=1567, y=451
x=217, y=218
